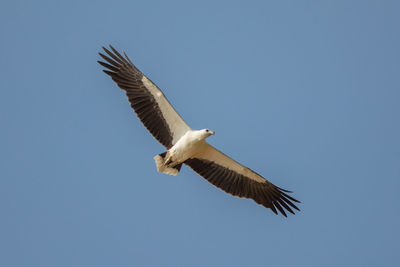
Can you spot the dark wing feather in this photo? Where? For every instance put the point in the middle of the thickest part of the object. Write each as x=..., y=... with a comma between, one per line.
x=149, y=103
x=235, y=179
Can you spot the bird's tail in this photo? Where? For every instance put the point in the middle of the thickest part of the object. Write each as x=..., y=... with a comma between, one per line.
x=163, y=167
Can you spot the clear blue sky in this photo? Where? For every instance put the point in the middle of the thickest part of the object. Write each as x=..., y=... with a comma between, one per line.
x=304, y=92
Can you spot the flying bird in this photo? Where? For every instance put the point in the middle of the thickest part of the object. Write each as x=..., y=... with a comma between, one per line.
x=185, y=145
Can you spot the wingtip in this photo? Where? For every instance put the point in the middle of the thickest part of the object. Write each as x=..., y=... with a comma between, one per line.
x=295, y=200
x=103, y=56
x=279, y=207
x=273, y=209
x=126, y=56
x=113, y=49
x=105, y=49
x=284, y=190
x=109, y=73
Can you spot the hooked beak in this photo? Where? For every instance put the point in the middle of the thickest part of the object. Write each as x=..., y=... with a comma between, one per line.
x=212, y=132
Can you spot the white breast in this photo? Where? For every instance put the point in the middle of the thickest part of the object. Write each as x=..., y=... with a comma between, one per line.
x=187, y=146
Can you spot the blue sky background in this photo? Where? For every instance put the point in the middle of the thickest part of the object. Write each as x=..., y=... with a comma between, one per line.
x=304, y=92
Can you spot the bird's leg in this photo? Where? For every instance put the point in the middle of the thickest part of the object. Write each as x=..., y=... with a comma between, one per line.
x=169, y=162
x=168, y=159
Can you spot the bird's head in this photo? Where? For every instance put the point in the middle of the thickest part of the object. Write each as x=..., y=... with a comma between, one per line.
x=207, y=132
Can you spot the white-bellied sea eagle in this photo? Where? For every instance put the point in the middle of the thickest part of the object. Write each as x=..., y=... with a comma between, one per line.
x=187, y=146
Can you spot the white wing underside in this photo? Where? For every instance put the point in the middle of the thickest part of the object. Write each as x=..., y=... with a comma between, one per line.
x=176, y=124
x=210, y=153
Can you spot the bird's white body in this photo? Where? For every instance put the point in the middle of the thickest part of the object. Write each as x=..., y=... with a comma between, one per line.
x=188, y=146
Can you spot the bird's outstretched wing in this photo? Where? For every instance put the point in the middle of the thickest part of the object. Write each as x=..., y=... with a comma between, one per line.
x=238, y=180
x=148, y=101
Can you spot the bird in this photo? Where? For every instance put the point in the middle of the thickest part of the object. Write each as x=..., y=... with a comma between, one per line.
x=185, y=145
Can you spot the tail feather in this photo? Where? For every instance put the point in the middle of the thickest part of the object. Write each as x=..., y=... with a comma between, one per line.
x=161, y=167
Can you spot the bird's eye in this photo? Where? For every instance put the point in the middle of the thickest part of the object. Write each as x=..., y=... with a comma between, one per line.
x=207, y=130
